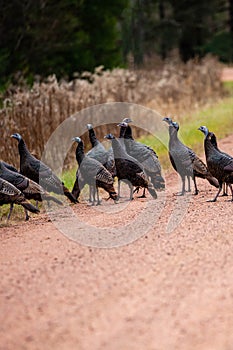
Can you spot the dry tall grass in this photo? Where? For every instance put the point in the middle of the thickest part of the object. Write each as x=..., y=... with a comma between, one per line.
x=175, y=88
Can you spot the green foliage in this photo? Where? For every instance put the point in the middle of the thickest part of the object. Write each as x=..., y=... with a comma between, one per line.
x=62, y=37
x=221, y=45
x=67, y=36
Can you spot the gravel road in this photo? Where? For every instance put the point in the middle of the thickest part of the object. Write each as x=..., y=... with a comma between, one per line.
x=168, y=290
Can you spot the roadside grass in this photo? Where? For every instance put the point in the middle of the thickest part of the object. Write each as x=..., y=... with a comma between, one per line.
x=17, y=214
x=218, y=118
x=228, y=85
x=69, y=176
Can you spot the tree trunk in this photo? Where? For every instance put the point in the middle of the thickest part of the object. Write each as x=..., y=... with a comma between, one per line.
x=231, y=25
x=161, y=18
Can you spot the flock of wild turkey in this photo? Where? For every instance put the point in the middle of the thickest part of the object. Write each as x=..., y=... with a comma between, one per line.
x=128, y=160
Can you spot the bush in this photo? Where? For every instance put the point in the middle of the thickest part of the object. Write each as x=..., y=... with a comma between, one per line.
x=35, y=113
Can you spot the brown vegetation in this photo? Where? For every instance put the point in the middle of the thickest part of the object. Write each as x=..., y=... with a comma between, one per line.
x=36, y=112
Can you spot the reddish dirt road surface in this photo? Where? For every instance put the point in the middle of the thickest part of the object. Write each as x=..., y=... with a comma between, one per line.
x=227, y=74
x=164, y=291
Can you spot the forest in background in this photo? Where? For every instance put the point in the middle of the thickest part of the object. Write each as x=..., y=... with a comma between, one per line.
x=67, y=37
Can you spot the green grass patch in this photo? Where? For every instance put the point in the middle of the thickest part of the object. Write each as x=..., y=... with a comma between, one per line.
x=18, y=212
x=228, y=86
x=218, y=118
x=68, y=177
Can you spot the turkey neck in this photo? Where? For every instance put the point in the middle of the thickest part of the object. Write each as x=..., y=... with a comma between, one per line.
x=128, y=133
x=209, y=147
x=93, y=139
x=23, y=150
x=118, y=150
x=80, y=153
x=122, y=132
x=214, y=141
x=173, y=136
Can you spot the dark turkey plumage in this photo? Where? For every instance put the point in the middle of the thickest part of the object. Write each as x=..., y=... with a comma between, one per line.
x=219, y=163
x=144, y=154
x=93, y=173
x=9, y=166
x=185, y=161
x=100, y=153
x=122, y=142
x=128, y=169
x=9, y=194
x=214, y=142
x=28, y=187
x=39, y=172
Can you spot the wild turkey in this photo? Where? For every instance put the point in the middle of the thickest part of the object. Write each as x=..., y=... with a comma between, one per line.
x=9, y=194
x=121, y=139
x=128, y=169
x=122, y=142
x=39, y=172
x=99, y=152
x=93, y=173
x=185, y=161
x=219, y=164
x=214, y=142
x=30, y=188
x=145, y=155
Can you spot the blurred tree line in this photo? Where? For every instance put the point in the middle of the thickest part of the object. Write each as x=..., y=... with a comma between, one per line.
x=41, y=37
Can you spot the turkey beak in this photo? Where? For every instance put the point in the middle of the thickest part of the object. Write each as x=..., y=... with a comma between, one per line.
x=75, y=139
x=15, y=136
x=167, y=120
x=127, y=120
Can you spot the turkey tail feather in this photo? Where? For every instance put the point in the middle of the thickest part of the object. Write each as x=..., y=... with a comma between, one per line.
x=69, y=195
x=27, y=205
x=152, y=192
x=48, y=197
x=158, y=182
